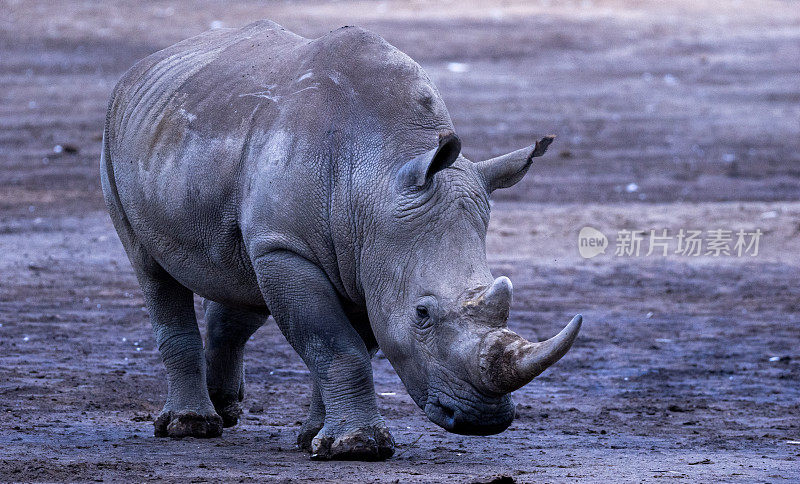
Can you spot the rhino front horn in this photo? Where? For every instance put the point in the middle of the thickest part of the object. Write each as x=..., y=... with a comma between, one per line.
x=507, y=361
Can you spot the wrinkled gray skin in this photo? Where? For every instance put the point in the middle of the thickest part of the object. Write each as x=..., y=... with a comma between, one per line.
x=318, y=181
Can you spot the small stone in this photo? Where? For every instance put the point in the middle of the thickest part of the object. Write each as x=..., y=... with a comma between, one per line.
x=457, y=67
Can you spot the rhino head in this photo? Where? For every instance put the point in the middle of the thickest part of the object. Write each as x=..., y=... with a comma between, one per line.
x=439, y=315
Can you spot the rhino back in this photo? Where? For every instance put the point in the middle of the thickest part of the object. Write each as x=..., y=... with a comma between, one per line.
x=241, y=141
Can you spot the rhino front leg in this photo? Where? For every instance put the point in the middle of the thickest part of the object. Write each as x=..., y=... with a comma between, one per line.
x=188, y=410
x=308, y=312
x=227, y=332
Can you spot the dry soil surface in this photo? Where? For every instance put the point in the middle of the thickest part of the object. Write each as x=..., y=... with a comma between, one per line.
x=669, y=115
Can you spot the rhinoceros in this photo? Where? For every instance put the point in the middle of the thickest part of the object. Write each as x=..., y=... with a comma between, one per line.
x=320, y=182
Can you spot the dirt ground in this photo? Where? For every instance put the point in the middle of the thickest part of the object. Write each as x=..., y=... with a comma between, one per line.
x=669, y=115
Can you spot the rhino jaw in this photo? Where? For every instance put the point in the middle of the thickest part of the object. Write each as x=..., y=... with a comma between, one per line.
x=454, y=418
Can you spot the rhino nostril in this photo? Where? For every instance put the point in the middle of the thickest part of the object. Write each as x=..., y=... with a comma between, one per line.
x=449, y=417
x=449, y=412
x=446, y=413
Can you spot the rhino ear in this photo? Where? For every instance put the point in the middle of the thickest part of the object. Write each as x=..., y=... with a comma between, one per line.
x=417, y=172
x=504, y=171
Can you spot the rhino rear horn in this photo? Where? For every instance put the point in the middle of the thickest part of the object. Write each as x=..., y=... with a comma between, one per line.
x=506, y=170
x=417, y=172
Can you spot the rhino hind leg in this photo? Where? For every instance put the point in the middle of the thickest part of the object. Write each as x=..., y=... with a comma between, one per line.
x=227, y=331
x=188, y=411
x=314, y=422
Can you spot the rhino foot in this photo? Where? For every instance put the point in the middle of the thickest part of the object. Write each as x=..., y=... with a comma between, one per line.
x=230, y=413
x=364, y=443
x=188, y=423
x=307, y=434
x=228, y=408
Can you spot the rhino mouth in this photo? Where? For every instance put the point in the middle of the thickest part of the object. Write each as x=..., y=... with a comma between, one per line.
x=470, y=417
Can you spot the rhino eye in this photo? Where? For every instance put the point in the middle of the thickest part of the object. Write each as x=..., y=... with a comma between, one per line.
x=426, y=312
